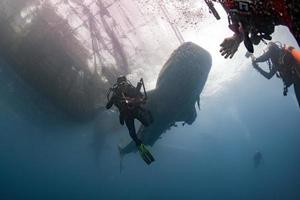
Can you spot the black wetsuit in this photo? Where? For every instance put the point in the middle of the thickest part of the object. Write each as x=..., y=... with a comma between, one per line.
x=132, y=110
x=282, y=62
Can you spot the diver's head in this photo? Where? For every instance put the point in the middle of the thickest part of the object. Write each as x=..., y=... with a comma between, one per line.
x=272, y=45
x=121, y=79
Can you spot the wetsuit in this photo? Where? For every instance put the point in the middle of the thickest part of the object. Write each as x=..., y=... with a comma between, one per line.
x=283, y=63
x=130, y=109
x=259, y=17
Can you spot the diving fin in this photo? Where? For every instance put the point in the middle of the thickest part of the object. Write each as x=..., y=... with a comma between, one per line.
x=146, y=159
x=149, y=155
x=145, y=154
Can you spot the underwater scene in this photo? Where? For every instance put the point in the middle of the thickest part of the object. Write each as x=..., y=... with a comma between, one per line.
x=149, y=99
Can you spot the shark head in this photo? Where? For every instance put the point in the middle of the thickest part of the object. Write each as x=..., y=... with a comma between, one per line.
x=179, y=84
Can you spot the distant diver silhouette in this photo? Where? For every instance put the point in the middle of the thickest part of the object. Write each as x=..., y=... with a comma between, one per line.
x=257, y=159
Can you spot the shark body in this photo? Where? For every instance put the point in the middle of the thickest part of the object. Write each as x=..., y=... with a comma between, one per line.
x=178, y=89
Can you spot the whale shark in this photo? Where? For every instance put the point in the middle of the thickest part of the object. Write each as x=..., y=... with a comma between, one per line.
x=178, y=88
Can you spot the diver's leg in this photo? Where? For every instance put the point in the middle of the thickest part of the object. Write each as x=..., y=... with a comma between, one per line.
x=297, y=90
x=121, y=119
x=144, y=116
x=131, y=128
x=151, y=119
x=145, y=154
x=141, y=115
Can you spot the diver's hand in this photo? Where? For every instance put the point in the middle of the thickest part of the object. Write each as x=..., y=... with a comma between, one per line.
x=253, y=59
x=254, y=62
x=145, y=154
x=230, y=45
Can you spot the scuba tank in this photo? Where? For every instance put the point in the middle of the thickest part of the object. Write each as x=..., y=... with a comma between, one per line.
x=129, y=102
x=290, y=59
x=295, y=53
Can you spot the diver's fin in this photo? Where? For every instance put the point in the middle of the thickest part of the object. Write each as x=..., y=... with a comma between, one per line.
x=145, y=154
x=149, y=155
x=146, y=159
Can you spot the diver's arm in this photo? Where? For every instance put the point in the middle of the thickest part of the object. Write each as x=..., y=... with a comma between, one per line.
x=110, y=102
x=263, y=58
x=267, y=75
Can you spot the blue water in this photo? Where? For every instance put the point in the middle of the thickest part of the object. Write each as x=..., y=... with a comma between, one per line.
x=44, y=155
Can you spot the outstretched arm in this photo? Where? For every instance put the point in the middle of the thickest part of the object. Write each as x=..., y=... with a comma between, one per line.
x=267, y=75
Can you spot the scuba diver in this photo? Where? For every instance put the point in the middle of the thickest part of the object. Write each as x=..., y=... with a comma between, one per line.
x=257, y=158
x=253, y=21
x=285, y=63
x=129, y=100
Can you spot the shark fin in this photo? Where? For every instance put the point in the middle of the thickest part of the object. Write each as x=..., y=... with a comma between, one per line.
x=198, y=102
x=121, y=156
